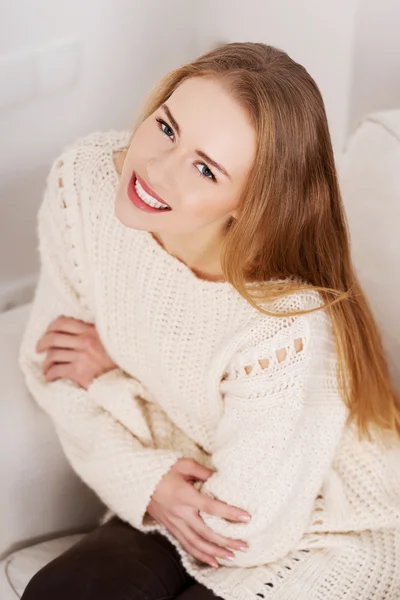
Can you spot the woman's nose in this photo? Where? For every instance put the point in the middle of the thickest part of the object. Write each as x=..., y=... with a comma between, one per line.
x=162, y=171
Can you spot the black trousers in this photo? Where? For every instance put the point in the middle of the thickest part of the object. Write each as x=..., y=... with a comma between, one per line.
x=117, y=562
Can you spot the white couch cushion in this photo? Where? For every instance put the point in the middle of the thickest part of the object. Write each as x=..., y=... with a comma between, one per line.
x=18, y=568
x=40, y=495
x=370, y=182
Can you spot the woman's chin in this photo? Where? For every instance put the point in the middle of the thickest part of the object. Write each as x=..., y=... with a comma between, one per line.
x=129, y=216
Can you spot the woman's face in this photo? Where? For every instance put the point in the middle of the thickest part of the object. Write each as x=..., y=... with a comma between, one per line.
x=167, y=157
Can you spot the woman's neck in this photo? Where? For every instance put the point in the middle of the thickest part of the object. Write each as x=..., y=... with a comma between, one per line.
x=200, y=252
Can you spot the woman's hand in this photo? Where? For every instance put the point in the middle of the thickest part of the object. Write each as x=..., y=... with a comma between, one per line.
x=74, y=351
x=176, y=504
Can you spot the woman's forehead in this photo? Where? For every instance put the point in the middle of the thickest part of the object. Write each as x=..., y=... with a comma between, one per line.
x=210, y=119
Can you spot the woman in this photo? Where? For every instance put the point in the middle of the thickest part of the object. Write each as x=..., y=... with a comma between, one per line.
x=200, y=340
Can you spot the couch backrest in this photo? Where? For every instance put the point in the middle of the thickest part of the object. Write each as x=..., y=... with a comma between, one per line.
x=370, y=181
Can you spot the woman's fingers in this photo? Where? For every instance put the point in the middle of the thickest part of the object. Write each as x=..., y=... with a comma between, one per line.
x=69, y=325
x=191, y=469
x=206, y=533
x=64, y=332
x=201, y=544
x=69, y=371
x=55, y=339
x=221, y=509
x=189, y=547
x=74, y=351
x=60, y=371
x=176, y=503
x=59, y=356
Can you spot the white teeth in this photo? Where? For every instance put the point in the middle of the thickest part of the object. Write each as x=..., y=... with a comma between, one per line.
x=149, y=200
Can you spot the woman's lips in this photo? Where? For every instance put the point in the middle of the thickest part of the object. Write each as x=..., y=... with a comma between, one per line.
x=138, y=202
x=148, y=189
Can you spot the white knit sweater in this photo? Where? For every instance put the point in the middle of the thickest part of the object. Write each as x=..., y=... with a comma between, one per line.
x=325, y=506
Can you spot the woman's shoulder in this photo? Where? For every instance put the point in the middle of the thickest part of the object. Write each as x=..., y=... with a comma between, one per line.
x=296, y=320
x=82, y=175
x=92, y=155
x=100, y=140
x=282, y=348
x=79, y=186
x=298, y=309
x=88, y=160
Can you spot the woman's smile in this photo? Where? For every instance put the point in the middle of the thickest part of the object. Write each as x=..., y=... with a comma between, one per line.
x=143, y=197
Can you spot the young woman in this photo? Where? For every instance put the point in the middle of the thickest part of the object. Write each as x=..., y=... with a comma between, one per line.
x=211, y=365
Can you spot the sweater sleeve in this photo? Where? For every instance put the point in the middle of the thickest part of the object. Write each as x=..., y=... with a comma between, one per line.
x=112, y=454
x=282, y=422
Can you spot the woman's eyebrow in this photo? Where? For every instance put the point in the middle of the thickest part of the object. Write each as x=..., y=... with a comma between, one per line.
x=202, y=154
x=171, y=118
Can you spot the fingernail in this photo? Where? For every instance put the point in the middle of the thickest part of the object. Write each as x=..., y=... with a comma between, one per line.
x=245, y=518
x=243, y=548
x=229, y=557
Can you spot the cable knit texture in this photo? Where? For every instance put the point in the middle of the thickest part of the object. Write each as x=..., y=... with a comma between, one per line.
x=202, y=374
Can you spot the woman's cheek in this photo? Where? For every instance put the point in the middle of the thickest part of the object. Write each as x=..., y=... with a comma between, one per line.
x=203, y=213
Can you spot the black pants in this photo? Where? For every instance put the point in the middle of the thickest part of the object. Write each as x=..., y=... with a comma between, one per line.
x=117, y=562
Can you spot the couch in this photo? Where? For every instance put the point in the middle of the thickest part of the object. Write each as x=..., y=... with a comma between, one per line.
x=44, y=507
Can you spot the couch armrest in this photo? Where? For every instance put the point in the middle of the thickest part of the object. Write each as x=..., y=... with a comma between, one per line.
x=40, y=495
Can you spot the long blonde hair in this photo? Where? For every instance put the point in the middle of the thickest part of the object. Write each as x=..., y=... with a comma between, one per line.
x=291, y=223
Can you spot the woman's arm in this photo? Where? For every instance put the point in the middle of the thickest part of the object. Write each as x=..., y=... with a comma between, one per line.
x=282, y=423
x=118, y=462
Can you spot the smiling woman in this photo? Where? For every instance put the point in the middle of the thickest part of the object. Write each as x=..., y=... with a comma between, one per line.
x=182, y=156
x=240, y=408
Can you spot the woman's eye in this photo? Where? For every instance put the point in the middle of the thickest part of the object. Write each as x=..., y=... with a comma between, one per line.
x=168, y=130
x=207, y=172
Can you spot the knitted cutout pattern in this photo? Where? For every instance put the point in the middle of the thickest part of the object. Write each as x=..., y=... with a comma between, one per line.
x=202, y=374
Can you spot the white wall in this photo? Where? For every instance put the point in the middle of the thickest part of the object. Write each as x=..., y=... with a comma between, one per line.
x=318, y=34
x=376, y=75
x=126, y=46
x=350, y=47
